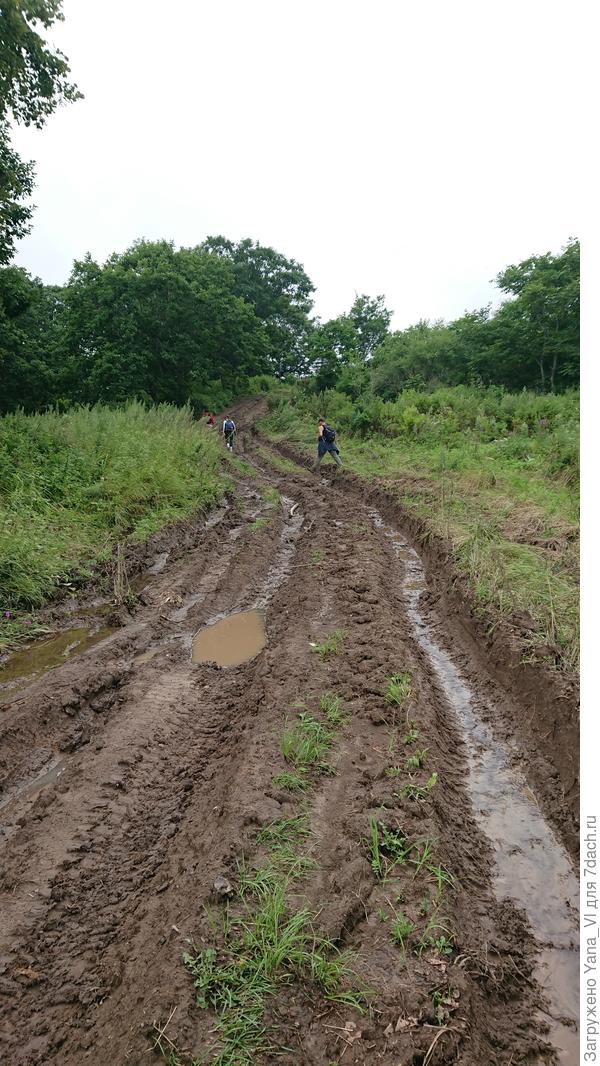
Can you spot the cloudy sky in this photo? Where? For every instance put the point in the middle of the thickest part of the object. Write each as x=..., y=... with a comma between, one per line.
x=410, y=149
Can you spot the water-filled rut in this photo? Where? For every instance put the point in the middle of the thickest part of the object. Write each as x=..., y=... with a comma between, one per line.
x=531, y=866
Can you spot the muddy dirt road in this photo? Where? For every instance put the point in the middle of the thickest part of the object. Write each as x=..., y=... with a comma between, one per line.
x=134, y=778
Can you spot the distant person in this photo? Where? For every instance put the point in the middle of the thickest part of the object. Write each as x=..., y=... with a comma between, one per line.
x=229, y=431
x=326, y=444
x=210, y=421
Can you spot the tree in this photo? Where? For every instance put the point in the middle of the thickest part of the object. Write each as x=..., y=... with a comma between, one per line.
x=26, y=368
x=371, y=320
x=33, y=81
x=544, y=315
x=279, y=290
x=423, y=354
x=331, y=345
x=160, y=324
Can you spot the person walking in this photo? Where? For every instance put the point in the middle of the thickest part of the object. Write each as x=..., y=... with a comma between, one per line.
x=326, y=444
x=229, y=432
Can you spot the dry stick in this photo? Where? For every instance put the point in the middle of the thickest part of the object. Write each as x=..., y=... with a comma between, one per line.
x=162, y=1035
x=446, y=1029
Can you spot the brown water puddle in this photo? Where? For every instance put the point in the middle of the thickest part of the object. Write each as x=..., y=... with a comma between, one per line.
x=531, y=866
x=33, y=662
x=232, y=641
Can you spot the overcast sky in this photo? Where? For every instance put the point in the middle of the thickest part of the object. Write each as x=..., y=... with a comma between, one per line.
x=410, y=149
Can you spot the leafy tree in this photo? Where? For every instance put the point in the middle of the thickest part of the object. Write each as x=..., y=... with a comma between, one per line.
x=33, y=81
x=331, y=345
x=422, y=354
x=280, y=292
x=544, y=316
x=25, y=365
x=371, y=320
x=160, y=324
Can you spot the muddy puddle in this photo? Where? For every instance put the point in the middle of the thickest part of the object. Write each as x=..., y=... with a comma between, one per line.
x=531, y=866
x=231, y=641
x=24, y=667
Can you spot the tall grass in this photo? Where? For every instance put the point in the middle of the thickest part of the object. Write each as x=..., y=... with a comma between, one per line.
x=73, y=485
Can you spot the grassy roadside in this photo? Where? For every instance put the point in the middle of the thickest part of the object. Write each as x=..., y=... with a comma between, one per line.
x=72, y=486
x=481, y=472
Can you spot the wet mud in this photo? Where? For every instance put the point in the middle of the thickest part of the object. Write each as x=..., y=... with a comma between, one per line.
x=133, y=778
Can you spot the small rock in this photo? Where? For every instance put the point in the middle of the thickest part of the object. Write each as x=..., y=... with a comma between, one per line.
x=223, y=887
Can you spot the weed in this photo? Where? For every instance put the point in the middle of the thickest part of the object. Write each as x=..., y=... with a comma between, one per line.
x=292, y=782
x=393, y=771
x=418, y=792
x=401, y=929
x=258, y=524
x=398, y=689
x=285, y=834
x=316, y=556
x=267, y=946
x=445, y=1001
x=332, y=708
x=331, y=644
x=386, y=848
x=270, y=495
x=305, y=743
x=412, y=735
x=436, y=935
x=417, y=760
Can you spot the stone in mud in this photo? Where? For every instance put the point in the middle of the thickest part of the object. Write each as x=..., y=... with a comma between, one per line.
x=222, y=888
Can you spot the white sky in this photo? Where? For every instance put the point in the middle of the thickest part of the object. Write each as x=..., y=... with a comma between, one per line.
x=410, y=149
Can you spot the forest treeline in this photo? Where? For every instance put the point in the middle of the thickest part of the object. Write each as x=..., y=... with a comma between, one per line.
x=163, y=324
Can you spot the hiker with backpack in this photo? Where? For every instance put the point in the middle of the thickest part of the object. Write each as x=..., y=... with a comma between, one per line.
x=326, y=444
x=229, y=432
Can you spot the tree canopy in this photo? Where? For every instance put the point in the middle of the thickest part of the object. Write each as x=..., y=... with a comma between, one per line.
x=33, y=82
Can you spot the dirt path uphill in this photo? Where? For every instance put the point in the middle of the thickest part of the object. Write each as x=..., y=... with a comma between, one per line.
x=134, y=779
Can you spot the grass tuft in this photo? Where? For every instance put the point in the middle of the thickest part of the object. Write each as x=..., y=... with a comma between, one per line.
x=306, y=742
x=331, y=644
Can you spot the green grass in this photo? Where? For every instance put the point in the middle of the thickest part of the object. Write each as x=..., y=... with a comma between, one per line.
x=417, y=760
x=398, y=689
x=305, y=743
x=466, y=463
x=418, y=792
x=270, y=495
x=412, y=735
x=266, y=945
x=285, y=834
x=330, y=645
x=279, y=462
x=333, y=708
x=292, y=782
x=72, y=486
x=257, y=525
x=401, y=928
